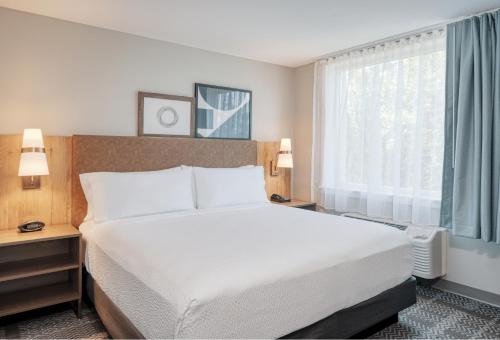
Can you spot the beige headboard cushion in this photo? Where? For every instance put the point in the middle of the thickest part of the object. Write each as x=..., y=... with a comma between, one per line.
x=121, y=154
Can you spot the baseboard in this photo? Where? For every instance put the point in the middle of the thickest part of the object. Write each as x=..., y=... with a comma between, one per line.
x=470, y=292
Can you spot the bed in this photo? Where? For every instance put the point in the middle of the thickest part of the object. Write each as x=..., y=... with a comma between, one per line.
x=245, y=271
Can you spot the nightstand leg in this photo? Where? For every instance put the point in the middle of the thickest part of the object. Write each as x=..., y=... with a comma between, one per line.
x=77, y=307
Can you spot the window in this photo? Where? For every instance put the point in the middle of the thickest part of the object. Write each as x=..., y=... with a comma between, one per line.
x=378, y=130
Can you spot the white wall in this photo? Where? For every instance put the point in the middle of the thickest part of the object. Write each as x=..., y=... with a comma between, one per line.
x=69, y=78
x=471, y=262
x=474, y=263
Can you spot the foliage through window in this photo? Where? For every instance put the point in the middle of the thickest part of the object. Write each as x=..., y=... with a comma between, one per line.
x=379, y=134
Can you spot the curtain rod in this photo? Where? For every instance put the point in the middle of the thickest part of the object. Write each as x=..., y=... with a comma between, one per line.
x=394, y=38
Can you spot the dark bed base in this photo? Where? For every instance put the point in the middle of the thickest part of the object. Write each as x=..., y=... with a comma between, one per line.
x=363, y=319
x=358, y=321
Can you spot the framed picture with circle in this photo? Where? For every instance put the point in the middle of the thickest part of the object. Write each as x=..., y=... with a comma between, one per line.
x=162, y=115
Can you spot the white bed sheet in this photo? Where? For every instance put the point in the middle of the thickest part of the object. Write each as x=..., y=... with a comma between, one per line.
x=258, y=271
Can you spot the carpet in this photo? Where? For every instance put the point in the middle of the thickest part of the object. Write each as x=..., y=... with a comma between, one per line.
x=436, y=315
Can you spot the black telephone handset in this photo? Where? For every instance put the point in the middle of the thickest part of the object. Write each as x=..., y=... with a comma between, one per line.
x=279, y=199
x=31, y=226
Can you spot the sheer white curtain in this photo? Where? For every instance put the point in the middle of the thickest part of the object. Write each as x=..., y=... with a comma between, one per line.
x=378, y=130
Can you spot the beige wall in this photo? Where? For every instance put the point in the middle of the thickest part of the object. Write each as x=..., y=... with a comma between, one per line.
x=302, y=131
x=69, y=78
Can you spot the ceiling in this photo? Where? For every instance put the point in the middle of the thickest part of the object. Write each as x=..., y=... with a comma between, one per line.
x=283, y=32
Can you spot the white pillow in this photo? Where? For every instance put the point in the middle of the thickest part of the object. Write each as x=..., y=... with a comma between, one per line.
x=85, y=180
x=194, y=181
x=118, y=195
x=218, y=187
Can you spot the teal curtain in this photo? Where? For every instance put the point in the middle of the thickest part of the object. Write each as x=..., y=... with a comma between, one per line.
x=471, y=171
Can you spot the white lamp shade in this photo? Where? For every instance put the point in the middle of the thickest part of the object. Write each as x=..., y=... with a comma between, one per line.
x=33, y=164
x=33, y=158
x=286, y=144
x=32, y=138
x=285, y=160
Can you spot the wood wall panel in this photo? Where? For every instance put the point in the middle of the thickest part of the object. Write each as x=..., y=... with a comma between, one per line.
x=267, y=151
x=51, y=203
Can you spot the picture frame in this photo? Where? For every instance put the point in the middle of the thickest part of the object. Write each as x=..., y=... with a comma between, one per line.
x=164, y=115
x=222, y=112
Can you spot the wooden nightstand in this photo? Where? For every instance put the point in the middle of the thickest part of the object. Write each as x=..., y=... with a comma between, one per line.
x=40, y=269
x=299, y=204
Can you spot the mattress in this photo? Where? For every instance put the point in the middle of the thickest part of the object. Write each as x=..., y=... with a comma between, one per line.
x=256, y=271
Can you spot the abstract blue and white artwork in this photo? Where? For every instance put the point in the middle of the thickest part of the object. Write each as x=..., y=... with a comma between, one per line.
x=223, y=112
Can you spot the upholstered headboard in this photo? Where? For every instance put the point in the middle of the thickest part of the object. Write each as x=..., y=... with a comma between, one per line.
x=120, y=154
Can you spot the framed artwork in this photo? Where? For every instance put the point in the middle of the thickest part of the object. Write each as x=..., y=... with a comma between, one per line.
x=223, y=112
x=163, y=115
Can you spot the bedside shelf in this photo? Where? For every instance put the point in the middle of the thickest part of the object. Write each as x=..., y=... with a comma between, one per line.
x=24, y=300
x=38, y=266
x=40, y=269
x=13, y=237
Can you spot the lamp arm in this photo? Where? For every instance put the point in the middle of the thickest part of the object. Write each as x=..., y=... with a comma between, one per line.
x=274, y=165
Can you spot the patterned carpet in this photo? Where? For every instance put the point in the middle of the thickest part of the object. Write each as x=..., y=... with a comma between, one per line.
x=437, y=315
x=58, y=322
x=442, y=315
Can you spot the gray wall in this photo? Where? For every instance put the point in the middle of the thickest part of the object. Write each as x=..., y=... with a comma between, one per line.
x=70, y=78
x=471, y=262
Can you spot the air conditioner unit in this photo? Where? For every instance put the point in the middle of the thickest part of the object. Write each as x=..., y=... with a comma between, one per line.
x=429, y=250
x=430, y=244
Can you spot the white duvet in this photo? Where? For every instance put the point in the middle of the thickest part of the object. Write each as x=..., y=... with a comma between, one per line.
x=260, y=271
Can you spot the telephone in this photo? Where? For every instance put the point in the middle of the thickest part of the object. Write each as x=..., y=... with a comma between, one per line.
x=279, y=199
x=31, y=226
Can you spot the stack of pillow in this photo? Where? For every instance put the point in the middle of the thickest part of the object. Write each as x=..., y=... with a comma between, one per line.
x=114, y=195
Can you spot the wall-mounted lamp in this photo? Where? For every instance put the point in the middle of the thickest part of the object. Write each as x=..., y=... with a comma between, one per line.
x=33, y=163
x=284, y=157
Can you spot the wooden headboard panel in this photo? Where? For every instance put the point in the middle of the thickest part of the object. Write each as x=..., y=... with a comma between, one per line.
x=120, y=154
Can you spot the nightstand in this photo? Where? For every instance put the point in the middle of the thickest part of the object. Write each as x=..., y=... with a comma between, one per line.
x=299, y=204
x=40, y=269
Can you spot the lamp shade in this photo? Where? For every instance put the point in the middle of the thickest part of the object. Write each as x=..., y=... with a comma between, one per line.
x=285, y=158
x=33, y=158
x=32, y=138
x=286, y=144
x=33, y=164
